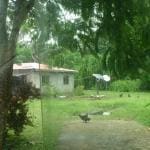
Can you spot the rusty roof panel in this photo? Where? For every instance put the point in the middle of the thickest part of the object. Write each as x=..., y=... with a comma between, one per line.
x=42, y=67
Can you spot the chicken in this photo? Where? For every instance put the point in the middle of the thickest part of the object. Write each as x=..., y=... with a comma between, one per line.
x=85, y=117
x=121, y=95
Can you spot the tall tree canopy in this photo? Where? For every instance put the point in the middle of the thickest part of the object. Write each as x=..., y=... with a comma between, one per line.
x=123, y=25
x=119, y=30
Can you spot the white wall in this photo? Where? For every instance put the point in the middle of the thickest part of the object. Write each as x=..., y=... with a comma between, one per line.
x=34, y=78
x=56, y=79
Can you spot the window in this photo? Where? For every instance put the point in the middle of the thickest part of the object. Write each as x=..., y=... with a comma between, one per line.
x=66, y=79
x=45, y=79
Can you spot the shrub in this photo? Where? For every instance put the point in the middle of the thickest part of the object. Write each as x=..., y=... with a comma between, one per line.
x=79, y=90
x=17, y=116
x=125, y=85
x=49, y=91
x=145, y=82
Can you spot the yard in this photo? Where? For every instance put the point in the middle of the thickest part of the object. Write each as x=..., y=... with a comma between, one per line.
x=58, y=112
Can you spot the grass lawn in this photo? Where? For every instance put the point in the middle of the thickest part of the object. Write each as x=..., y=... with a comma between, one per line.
x=56, y=111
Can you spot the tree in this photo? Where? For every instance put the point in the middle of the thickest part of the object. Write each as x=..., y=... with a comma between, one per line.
x=17, y=12
x=123, y=25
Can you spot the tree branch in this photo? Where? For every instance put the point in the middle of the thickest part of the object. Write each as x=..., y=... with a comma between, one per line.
x=23, y=7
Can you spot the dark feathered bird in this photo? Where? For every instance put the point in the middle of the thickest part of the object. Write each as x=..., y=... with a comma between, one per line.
x=85, y=117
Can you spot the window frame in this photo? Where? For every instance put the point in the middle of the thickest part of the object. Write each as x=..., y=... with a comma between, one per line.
x=66, y=79
x=45, y=79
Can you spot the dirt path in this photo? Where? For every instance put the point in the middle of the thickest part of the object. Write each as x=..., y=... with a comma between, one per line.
x=104, y=135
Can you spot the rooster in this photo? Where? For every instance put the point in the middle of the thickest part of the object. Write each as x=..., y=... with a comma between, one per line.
x=85, y=117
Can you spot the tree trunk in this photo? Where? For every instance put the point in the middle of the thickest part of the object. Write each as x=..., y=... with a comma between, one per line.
x=3, y=69
x=7, y=53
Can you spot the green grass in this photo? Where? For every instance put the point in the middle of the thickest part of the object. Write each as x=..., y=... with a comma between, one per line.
x=56, y=111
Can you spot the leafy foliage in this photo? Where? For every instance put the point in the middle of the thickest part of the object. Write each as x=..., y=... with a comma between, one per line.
x=24, y=54
x=117, y=30
x=145, y=81
x=125, y=85
x=79, y=90
x=86, y=66
x=18, y=115
x=122, y=27
x=49, y=91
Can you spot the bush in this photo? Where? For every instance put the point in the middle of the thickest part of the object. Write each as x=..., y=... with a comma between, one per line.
x=145, y=82
x=79, y=90
x=125, y=85
x=17, y=116
x=49, y=91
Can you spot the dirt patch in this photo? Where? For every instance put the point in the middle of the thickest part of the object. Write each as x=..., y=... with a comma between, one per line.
x=104, y=135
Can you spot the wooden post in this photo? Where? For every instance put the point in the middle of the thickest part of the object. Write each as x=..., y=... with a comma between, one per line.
x=97, y=86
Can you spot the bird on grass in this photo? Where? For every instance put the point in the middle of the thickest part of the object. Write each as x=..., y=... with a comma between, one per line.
x=85, y=117
x=121, y=95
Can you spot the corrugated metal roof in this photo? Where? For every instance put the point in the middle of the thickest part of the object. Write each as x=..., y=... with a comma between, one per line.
x=42, y=67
